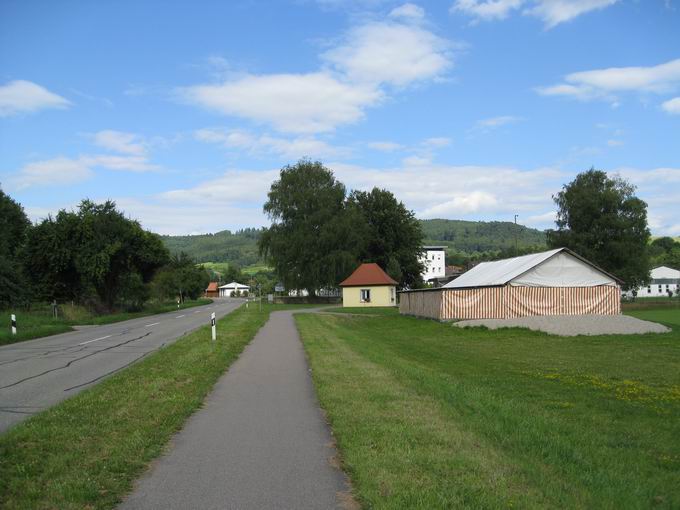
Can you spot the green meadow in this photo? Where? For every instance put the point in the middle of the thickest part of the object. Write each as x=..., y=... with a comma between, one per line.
x=427, y=415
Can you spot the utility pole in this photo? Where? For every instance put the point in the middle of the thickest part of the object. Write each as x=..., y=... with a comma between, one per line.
x=516, y=249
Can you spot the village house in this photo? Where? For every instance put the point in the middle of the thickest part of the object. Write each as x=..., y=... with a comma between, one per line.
x=369, y=286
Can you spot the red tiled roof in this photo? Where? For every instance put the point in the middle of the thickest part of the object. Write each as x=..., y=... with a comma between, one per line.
x=212, y=287
x=368, y=274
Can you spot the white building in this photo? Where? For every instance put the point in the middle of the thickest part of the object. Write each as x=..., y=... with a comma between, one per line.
x=434, y=260
x=226, y=290
x=664, y=279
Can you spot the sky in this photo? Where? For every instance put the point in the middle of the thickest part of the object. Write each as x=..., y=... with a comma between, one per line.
x=184, y=113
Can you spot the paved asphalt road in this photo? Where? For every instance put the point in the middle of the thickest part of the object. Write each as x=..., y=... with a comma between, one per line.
x=37, y=374
x=259, y=442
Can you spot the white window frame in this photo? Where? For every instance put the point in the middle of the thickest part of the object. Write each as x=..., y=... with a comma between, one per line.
x=365, y=295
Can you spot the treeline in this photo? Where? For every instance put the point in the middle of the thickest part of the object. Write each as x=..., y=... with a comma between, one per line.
x=239, y=248
x=93, y=256
x=665, y=251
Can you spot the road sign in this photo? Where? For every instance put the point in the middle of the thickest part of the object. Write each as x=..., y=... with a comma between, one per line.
x=279, y=288
x=214, y=328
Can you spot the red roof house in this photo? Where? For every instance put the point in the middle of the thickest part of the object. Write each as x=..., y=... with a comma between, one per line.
x=369, y=285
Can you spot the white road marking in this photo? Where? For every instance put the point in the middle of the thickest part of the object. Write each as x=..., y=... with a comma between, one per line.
x=149, y=325
x=95, y=340
x=179, y=316
x=197, y=311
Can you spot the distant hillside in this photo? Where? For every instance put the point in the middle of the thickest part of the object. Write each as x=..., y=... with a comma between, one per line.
x=462, y=237
x=235, y=247
x=473, y=237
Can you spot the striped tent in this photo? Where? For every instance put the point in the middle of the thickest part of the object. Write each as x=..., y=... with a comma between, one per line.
x=555, y=282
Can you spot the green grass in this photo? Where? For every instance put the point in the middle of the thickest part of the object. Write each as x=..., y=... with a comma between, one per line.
x=651, y=303
x=427, y=415
x=222, y=267
x=87, y=451
x=39, y=322
x=359, y=310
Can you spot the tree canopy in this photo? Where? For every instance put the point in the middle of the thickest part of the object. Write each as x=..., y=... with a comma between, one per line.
x=394, y=236
x=313, y=241
x=601, y=219
x=319, y=235
x=93, y=253
x=13, y=227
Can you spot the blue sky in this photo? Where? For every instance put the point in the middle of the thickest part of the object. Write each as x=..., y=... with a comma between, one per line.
x=184, y=112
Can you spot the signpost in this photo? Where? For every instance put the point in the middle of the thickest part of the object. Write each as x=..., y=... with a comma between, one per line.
x=214, y=328
x=14, y=324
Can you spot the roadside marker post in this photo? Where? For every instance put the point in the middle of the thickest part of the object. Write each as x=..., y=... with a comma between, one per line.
x=214, y=328
x=14, y=324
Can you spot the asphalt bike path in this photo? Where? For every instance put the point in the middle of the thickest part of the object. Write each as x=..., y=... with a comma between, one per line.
x=259, y=442
x=37, y=374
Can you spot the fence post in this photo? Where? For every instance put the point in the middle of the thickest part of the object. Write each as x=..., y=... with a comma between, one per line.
x=214, y=328
x=14, y=324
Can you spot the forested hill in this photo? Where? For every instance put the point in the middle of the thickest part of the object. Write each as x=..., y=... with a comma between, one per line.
x=464, y=237
x=236, y=247
x=473, y=237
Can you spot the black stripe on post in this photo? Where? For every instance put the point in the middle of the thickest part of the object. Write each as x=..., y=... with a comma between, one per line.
x=14, y=323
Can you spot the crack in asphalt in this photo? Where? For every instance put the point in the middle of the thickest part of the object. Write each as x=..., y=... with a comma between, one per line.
x=115, y=369
x=73, y=361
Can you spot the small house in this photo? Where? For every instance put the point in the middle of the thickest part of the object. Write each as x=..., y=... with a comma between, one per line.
x=212, y=291
x=234, y=288
x=369, y=286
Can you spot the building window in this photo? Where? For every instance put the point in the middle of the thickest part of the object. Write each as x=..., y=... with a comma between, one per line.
x=365, y=295
x=649, y=290
x=392, y=294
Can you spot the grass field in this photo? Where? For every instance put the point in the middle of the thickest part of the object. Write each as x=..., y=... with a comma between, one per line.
x=87, y=451
x=39, y=322
x=431, y=416
x=222, y=267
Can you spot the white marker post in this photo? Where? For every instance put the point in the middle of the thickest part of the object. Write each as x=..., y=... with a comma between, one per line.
x=14, y=324
x=214, y=328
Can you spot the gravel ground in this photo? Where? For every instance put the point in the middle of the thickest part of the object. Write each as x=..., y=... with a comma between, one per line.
x=573, y=325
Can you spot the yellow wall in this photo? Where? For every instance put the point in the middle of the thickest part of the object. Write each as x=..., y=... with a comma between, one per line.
x=382, y=295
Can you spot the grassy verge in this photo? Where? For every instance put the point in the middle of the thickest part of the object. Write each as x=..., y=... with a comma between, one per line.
x=427, y=415
x=39, y=321
x=359, y=310
x=87, y=451
x=656, y=303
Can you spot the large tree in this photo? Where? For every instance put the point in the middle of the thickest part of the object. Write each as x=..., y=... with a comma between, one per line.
x=93, y=252
x=181, y=278
x=13, y=228
x=601, y=219
x=314, y=240
x=395, y=238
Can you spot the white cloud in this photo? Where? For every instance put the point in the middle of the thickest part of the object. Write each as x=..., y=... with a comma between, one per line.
x=614, y=143
x=416, y=161
x=21, y=96
x=408, y=11
x=59, y=171
x=494, y=122
x=462, y=204
x=604, y=83
x=296, y=103
x=118, y=141
x=554, y=12
x=436, y=142
x=354, y=77
x=384, y=146
x=551, y=12
x=390, y=53
x=672, y=106
x=288, y=148
x=487, y=10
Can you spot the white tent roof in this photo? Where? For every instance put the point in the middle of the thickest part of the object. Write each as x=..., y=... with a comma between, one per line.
x=664, y=273
x=555, y=268
x=234, y=285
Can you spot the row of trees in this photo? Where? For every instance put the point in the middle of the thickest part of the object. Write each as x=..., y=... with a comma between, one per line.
x=93, y=256
x=320, y=233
